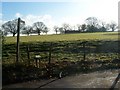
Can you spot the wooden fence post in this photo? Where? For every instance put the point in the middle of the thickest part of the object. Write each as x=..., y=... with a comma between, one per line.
x=18, y=35
x=50, y=51
x=49, y=62
x=84, y=53
x=28, y=54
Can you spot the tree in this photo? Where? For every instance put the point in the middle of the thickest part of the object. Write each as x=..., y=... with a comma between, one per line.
x=83, y=27
x=38, y=27
x=92, y=21
x=61, y=30
x=103, y=27
x=107, y=26
x=92, y=24
x=11, y=26
x=56, y=29
x=92, y=28
x=79, y=27
x=66, y=27
x=27, y=30
x=46, y=30
x=113, y=26
x=3, y=32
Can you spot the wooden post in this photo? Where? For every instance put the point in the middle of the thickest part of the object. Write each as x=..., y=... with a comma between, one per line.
x=50, y=51
x=28, y=55
x=18, y=35
x=84, y=54
x=49, y=62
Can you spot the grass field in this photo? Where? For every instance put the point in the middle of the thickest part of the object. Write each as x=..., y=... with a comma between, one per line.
x=66, y=37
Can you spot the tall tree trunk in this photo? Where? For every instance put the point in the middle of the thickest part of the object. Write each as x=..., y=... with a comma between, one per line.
x=65, y=31
x=14, y=34
x=112, y=29
x=39, y=32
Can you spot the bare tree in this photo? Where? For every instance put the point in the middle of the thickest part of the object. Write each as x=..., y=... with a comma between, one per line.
x=11, y=26
x=113, y=26
x=38, y=27
x=56, y=29
x=46, y=30
x=66, y=27
x=3, y=32
x=27, y=30
x=61, y=30
x=103, y=27
x=92, y=24
x=92, y=21
x=79, y=27
x=83, y=27
x=107, y=26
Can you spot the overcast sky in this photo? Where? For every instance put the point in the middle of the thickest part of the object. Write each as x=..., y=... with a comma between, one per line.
x=55, y=13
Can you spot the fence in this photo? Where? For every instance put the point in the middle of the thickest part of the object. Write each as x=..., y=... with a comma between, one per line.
x=49, y=59
x=63, y=51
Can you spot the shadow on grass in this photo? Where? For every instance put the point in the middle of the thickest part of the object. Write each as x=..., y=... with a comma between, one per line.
x=21, y=73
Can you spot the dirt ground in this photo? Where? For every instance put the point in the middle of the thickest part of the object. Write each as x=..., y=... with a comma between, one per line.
x=99, y=79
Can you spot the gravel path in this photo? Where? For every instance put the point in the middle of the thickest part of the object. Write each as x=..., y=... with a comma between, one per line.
x=101, y=79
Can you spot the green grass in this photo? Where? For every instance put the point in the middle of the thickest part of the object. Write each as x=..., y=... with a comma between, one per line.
x=66, y=37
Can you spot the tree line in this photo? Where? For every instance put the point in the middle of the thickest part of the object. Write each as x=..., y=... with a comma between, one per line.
x=92, y=25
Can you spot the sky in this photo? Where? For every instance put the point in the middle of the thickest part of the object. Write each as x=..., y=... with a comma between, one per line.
x=56, y=13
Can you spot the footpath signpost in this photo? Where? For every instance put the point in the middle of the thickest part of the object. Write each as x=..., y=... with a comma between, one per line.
x=18, y=36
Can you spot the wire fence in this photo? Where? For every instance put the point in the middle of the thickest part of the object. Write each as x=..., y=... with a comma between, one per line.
x=49, y=59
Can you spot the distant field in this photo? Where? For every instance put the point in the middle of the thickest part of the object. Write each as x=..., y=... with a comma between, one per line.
x=66, y=37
